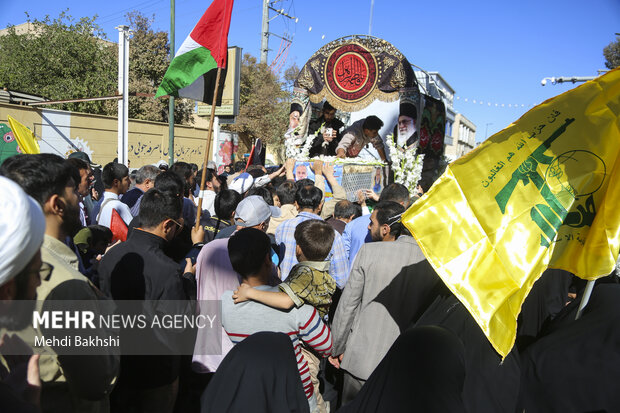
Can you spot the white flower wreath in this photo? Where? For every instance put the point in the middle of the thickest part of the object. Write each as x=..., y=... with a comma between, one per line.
x=406, y=165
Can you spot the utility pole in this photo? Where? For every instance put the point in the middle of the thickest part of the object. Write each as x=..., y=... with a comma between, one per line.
x=123, y=89
x=372, y=6
x=264, y=41
x=171, y=103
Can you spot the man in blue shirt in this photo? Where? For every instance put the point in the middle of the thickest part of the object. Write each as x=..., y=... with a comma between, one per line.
x=145, y=180
x=309, y=201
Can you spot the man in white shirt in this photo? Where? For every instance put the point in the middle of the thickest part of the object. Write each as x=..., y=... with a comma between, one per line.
x=116, y=182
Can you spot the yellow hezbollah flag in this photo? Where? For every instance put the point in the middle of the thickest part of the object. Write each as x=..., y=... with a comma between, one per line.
x=25, y=137
x=544, y=192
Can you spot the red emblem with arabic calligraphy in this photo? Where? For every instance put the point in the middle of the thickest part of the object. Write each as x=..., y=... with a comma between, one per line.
x=351, y=72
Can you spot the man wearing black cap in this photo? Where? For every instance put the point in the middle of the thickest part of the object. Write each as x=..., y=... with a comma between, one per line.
x=407, y=125
x=327, y=131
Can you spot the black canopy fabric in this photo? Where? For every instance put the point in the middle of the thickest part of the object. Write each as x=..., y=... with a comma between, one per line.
x=258, y=375
x=423, y=371
x=576, y=366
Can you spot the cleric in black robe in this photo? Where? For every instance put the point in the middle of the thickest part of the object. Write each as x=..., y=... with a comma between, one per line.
x=406, y=130
x=325, y=145
x=258, y=375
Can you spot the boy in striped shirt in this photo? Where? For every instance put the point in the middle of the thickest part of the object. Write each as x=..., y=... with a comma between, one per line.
x=249, y=255
x=308, y=282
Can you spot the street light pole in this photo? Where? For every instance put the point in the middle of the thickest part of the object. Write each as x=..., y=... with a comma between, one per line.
x=487, y=130
x=123, y=88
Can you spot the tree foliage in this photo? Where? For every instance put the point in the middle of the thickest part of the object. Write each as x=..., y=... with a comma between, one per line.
x=65, y=58
x=263, y=113
x=612, y=54
x=148, y=61
x=61, y=59
x=290, y=75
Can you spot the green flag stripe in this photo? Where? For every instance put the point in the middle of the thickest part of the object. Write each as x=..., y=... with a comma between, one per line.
x=185, y=69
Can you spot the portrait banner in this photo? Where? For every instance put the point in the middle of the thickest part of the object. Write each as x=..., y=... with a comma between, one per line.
x=542, y=193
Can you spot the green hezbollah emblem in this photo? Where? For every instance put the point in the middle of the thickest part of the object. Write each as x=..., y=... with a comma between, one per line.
x=8, y=144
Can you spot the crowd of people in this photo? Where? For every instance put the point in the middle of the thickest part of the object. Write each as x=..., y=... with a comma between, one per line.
x=326, y=304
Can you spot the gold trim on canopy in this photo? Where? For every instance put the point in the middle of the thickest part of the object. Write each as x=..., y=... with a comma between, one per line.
x=384, y=73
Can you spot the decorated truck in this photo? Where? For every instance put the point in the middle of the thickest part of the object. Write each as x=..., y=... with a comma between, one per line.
x=359, y=77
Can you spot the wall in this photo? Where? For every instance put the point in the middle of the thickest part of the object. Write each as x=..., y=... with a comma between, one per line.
x=464, y=132
x=61, y=132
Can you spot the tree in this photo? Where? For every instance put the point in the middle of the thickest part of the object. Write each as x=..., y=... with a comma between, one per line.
x=612, y=54
x=290, y=75
x=149, y=53
x=68, y=59
x=263, y=105
x=61, y=59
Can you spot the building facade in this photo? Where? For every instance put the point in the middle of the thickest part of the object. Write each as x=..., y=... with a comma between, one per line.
x=464, y=140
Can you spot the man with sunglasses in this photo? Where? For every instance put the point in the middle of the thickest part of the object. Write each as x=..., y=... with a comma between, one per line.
x=138, y=269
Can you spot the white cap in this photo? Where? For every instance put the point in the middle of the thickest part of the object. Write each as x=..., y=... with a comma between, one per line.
x=22, y=225
x=253, y=210
x=242, y=183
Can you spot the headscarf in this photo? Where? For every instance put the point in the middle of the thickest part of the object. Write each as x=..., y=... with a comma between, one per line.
x=575, y=365
x=423, y=371
x=22, y=226
x=258, y=375
x=491, y=384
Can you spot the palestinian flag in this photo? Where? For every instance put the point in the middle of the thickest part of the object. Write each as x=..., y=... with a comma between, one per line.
x=118, y=227
x=192, y=72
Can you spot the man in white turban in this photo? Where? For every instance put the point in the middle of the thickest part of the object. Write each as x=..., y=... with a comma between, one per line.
x=22, y=226
x=69, y=383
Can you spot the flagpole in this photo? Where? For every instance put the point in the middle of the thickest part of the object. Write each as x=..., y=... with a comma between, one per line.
x=586, y=298
x=171, y=99
x=210, y=134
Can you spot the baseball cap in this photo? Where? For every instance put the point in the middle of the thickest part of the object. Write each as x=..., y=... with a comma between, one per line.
x=253, y=210
x=242, y=183
x=83, y=156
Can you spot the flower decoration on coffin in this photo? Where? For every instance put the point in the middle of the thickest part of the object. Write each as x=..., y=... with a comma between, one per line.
x=407, y=166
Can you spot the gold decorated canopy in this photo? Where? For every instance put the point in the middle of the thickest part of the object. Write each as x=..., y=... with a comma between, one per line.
x=353, y=71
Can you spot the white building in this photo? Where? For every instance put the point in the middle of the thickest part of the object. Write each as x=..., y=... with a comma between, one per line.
x=464, y=132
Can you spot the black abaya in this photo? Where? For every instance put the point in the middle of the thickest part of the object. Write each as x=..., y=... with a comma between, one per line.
x=576, y=367
x=423, y=371
x=258, y=375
